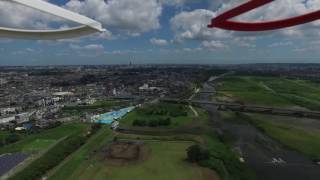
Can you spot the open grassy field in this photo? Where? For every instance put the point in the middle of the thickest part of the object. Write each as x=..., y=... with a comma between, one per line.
x=166, y=161
x=4, y=135
x=176, y=120
x=78, y=158
x=273, y=91
x=299, y=137
x=42, y=140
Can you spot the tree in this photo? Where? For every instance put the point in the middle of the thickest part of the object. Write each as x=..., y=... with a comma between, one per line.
x=197, y=153
x=12, y=138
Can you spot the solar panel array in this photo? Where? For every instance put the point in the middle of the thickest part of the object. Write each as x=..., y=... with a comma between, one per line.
x=9, y=161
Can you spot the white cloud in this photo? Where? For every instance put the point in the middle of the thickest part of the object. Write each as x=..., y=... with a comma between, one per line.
x=176, y=2
x=214, y=45
x=89, y=47
x=281, y=44
x=159, y=42
x=130, y=16
x=18, y=16
x=193, y=25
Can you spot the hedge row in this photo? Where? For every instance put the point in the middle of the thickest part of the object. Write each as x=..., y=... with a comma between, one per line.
x=50, y=159
x=164, y=109
x=152, y=122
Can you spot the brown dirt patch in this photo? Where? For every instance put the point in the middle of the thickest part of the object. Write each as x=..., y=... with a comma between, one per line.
x=125, y=152
x=209, y=174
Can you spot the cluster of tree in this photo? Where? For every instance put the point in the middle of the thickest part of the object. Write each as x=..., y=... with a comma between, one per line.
x=197, y=153
x=50, y=159
x=220, y=158
x=164, y=109
x=152, y=122
x=53, y=125
x=12, y=138
x=95, y=128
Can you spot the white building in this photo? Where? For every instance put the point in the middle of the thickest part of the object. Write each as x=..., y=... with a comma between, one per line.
x=7, y=120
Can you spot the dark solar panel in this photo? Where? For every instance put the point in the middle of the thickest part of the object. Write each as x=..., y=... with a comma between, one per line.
x=9, y=161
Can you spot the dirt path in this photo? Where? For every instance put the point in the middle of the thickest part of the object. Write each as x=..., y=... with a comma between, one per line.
x=195, y=112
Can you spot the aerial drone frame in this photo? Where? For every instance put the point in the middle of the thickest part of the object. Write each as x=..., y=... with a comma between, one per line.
x=87, y=26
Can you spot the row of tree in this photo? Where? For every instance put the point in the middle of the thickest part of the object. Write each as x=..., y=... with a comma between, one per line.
x=11, y=138
x=152, y=122
x=54, y=156
x=164, y=109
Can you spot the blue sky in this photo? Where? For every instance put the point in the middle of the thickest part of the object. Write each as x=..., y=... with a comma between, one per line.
x=162, y=31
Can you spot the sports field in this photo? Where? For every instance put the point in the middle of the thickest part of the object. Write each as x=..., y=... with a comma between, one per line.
x=167, y=160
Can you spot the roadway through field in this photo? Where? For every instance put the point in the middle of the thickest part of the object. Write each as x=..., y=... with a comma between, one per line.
x=268, y=158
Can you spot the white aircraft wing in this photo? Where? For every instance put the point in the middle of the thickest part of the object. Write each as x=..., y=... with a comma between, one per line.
x=87, y=25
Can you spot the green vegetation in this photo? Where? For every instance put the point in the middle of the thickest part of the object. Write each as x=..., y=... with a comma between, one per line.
x=79, y=158
x=7, y=138
x=167, y=161
x=50, y=159
x=225, y=162
x=162, y=114
x=276, y=91
x=42, y=140
x=81, y=109
x=301, y=139
x=164, y=109
x=153, y=122
x=168, y=154
x=197, y=153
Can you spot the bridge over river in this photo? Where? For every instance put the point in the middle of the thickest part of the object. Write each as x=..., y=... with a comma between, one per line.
x=248, y=108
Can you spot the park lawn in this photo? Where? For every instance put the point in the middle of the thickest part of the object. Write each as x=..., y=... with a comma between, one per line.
x=301, y=139
x=42, y=140
x=175, y=121
x=167, y=161
x=78, y=158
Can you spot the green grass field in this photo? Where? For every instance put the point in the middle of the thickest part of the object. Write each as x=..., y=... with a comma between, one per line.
x=4, y=135
x=175, y=121
x=166, y=161
x=42, y=140
x=273, y=91
x=303, y=139
x=78, y=158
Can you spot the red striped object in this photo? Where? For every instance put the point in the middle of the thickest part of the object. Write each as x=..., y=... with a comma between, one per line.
x=222, y=21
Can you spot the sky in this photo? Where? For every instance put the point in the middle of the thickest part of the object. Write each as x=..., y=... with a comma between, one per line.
x=161, y=31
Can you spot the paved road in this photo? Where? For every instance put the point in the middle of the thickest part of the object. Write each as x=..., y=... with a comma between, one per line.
x=268, y=158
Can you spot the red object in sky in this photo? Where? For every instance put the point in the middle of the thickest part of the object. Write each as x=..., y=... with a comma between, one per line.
x=222, y=21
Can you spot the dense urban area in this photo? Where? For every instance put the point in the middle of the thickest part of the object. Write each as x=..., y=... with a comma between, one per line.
x=241, y=122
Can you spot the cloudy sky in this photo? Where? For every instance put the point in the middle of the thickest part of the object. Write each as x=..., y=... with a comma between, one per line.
x=161, y=31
